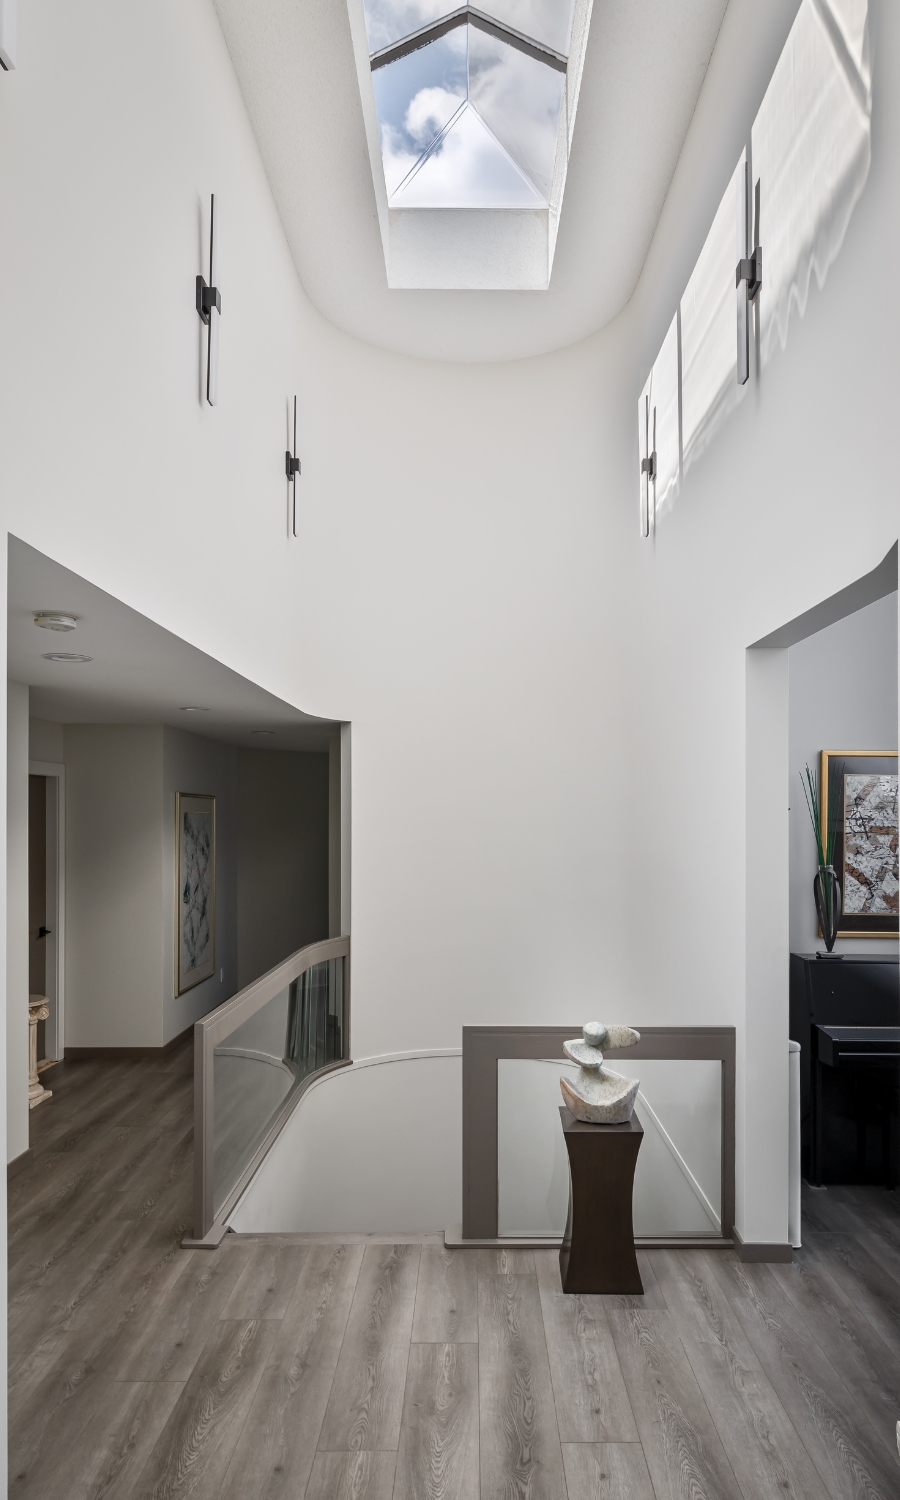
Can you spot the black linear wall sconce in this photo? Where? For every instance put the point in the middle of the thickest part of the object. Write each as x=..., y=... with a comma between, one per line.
x=748, y=274
x=209, y=305
x=648, y=464
x=292, y=469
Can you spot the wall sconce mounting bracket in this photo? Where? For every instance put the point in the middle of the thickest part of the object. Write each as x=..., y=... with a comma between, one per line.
x=750, y=270
x=207, y=298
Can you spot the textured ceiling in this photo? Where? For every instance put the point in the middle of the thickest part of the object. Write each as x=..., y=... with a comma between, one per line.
x=646, y=60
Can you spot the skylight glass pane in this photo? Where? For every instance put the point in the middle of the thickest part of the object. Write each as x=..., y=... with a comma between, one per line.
x=467, y=168
x=389, y=20
x=519, y=99
x=547, y=21
x=416, y=97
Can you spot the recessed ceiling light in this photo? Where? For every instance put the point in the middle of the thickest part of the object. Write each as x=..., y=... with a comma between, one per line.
x=193, y=708
x=48, y=621
x=262, y=731
x=65, y=656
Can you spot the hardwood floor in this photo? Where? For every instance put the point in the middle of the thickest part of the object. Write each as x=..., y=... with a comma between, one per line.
x=282, y=1369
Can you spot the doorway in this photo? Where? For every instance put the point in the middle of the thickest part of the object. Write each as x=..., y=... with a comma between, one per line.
x=46, y=903
x=772, y=789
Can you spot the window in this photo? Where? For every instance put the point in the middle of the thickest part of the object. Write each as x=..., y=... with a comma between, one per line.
x=468, y=107
x=474, y=110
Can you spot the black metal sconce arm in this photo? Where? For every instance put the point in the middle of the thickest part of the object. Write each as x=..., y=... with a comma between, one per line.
x=750, y=271
x=207, y=297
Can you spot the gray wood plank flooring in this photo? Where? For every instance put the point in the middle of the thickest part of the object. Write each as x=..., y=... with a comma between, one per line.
x=438, y=1454
x=370, y=1368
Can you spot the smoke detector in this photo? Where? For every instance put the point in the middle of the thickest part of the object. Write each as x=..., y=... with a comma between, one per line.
x=48, y=621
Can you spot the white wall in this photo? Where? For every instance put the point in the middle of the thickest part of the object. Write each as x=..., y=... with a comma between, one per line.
x=194, y=764
x=328, y=1170
x=843, y=696
x=46, y=741
x=283, y=853
x=121, y=782
x=16, y=920
x=114, y=873
x=549, y=715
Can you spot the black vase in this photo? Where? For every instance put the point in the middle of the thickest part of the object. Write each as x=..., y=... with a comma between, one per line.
x=829, y=906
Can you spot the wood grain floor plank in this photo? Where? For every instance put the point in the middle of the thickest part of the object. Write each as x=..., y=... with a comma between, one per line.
x=446, y=1297
x=501, y=1262
x=266, y=1284
x=352, y=1476
x=592, y=1404
x=682, y=1447
x=193, y=1451
x=866, y=1364
x=866, y=1280
x=607, y=1471
x=71, y=1352
x=165, y=1339
x=438, y=1454
x=764, y=1449
x=520, y=1450
x=277, y=1445
x=875, y=1209
x=170, y=1162
x=98, y=1444
x=850, y=1458
x=366, y=1402
x=46, y=1303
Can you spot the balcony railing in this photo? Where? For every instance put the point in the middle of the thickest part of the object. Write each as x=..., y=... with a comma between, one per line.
x=254, y=1057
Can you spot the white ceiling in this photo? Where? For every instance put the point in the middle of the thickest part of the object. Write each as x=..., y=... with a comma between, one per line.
x=646, y=61
x=140, y=673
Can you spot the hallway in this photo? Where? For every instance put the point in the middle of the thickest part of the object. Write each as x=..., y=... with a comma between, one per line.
x=403, y=1371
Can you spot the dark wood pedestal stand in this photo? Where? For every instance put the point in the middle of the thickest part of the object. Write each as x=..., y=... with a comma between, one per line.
x=597, y=1252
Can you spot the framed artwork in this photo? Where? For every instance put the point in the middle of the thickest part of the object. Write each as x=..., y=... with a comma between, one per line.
x=195, y=889
x=858, y=791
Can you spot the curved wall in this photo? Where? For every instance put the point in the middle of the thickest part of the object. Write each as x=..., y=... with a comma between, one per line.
x=373, y=1148
x=549, y=715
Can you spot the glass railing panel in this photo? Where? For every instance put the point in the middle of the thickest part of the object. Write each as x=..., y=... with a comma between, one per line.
x=678, y=1181
x=267, y=1058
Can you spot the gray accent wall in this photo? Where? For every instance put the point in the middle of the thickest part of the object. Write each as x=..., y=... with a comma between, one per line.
x=283, y=851
x=843, y=696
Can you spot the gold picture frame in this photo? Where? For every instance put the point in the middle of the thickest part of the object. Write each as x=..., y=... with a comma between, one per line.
x=195, y=889
x=852, y=762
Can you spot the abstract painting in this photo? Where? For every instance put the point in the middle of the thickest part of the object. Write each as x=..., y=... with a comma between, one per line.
x=195, y=889
x=870, y=845
x=859, y=791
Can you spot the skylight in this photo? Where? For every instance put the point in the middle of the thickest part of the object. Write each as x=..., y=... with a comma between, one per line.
x=468, y=106
x=473, y=113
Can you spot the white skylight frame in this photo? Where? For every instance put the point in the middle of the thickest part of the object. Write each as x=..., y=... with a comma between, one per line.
x=496, y=249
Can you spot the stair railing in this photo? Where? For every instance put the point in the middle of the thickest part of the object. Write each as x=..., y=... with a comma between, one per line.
x=254, y=1058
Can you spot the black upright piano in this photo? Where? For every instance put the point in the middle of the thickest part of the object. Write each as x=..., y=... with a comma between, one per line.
x=845, y=1013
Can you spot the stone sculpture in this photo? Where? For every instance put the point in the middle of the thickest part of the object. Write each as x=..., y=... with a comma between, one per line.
x=599, y=1096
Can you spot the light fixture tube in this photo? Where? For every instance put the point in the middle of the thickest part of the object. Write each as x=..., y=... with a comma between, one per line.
x=647, y=466
x=741, y=289
x=748, y=273
x=292, y=469
x=8, y=35
x=212, y=359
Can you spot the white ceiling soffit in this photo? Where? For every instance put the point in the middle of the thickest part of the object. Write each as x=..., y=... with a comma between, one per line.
x=645, y=64
x=140, y=673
